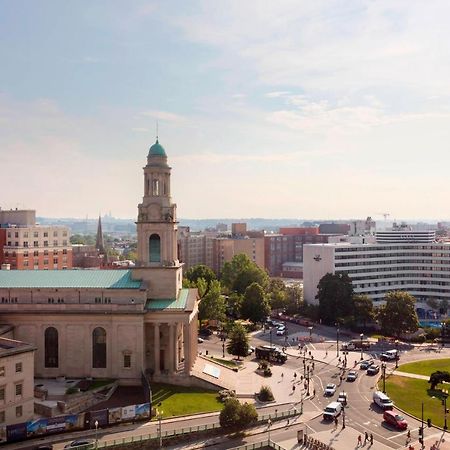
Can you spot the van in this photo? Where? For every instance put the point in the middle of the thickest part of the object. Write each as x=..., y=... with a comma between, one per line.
x=382, y=400
x=390, y=355
x=332, y=410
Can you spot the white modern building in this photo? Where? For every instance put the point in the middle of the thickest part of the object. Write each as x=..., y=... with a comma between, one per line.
x=410, y=261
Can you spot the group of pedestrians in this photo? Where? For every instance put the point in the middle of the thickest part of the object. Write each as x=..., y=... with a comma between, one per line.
x=367, y=438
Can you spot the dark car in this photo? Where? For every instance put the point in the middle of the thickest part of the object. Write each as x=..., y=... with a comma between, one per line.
x=81, y=444
x=205, y=332
x=372, y=370
x=366, y=364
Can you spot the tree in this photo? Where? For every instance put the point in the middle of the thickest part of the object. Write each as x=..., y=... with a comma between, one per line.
x=398, y=315
x=443, y=306
x=234, y=304
x=294, y=299
x=212, y=305
x=363, y=309
x=240, y=273
x=238, y=341
x=335, y=295
x=438, y=377
x=432, y=303
x=255, y=305
x=200, y=271
x=277, y=294
x=235, y=415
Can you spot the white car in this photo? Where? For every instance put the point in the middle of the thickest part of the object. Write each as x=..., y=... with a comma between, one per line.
x=200, y=340
x=281, y=331
x=342, y=398
x=352, y=375
x=330, y=390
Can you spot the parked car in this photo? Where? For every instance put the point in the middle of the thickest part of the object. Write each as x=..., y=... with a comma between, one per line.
x=366, y=364
x=81, y=444
x=332, y=410
x=372, y=370
x=330, y=389
x=281, y=331
x=392, y=418
x=352, y=375
x=205, y=332
x=382, y=400
x=200, y=340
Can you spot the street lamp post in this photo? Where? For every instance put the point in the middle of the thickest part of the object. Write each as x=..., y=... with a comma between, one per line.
x=361, y=336
x=383, y=368
x=96, y=433
x=445, y=395
x=307, y=379
x=310, y=333
x=160, y=414
x=337, y=340
x=396, y=354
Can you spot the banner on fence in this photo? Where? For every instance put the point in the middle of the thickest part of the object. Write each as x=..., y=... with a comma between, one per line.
x=142, y=411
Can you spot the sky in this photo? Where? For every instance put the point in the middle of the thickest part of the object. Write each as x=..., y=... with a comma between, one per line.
x=298, y=109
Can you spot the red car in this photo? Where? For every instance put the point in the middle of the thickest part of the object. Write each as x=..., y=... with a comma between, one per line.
x=398, y=421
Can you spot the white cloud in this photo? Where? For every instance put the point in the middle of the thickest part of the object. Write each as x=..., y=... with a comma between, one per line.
x=164, y=115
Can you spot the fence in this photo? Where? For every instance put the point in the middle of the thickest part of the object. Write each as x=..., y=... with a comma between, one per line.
x=266, y=443
x=188, y=430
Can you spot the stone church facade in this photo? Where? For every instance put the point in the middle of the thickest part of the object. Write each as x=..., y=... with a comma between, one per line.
x=113, y=323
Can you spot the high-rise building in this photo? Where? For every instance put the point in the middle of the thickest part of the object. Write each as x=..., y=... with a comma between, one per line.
x=25, y=245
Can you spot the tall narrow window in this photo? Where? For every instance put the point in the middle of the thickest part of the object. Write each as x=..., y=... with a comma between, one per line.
x=51, y=347
x=99, y=348
x=154, y=248
x=155, y=187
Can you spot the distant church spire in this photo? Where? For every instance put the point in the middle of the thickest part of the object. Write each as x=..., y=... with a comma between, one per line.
x=99, y=244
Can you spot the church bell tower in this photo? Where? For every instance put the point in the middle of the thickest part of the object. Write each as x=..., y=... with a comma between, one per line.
x=157, y=261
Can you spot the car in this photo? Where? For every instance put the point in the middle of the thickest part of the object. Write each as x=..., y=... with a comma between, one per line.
x=332, y=410
x=382, y=400
x=205, y=332
x=342, y=398
x=349, y=346
x=395, y=419
x=251, y=349
x=372, y=370
x=366, y=364
x=281, y=331
x=352, y=375
x=390, y=355
x=81, y=444
x=200, y=340
x=330, y=389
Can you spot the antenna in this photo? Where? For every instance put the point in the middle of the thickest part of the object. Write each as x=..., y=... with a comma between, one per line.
x=157, y=131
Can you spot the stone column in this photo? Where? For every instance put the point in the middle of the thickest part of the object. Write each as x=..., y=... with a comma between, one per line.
x=172, y=351
x=156, y=349
x=187, y=347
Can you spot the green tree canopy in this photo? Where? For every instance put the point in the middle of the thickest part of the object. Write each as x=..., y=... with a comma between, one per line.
x=241, y=272
x=294, y=299
x=212, y=304
x=234, y=305
x=398, y=315
x=438, y=377
x=238, y=341
x=255, y=305
x=200, y=271
x=363, y=309
x=84, y=239
x=235, y=415
x=335, y=295
x=277, y=294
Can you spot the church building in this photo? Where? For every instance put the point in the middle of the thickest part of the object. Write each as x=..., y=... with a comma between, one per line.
x=112, y=323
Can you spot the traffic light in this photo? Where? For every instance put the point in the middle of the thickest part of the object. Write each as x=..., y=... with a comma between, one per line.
x=429, y=423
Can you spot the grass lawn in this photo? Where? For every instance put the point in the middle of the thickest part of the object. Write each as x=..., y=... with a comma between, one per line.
x=409, y=393
x=180, y=400
x=226, y=362
x=426, y=367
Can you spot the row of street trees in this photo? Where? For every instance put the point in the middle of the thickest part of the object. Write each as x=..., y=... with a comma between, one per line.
x=339, y=304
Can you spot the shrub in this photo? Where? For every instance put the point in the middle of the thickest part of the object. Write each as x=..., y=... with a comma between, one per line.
x=235, y=415
x=265, y=394
x=72, y=390
x=268, y=372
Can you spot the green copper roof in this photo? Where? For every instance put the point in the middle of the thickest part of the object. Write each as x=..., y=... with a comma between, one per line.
x=96, y=279
x=157, y=150
x=169, y=303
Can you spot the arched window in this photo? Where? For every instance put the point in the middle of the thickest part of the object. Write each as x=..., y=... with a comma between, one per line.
x=99, y=348
x=51, y=347
x=154, y=245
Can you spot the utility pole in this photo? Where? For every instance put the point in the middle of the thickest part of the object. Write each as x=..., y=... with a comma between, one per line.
x=421, y=439
x=337, y=339
x=383, y=368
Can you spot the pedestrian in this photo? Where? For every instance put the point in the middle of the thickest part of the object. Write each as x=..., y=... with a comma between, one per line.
x=326, y=353
x=359, y=440
x=371, y=438
x=366, y=437
x=408, y=435
x=282, y=375
x=293, y=388
x=304, y=384
x=314, y=392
